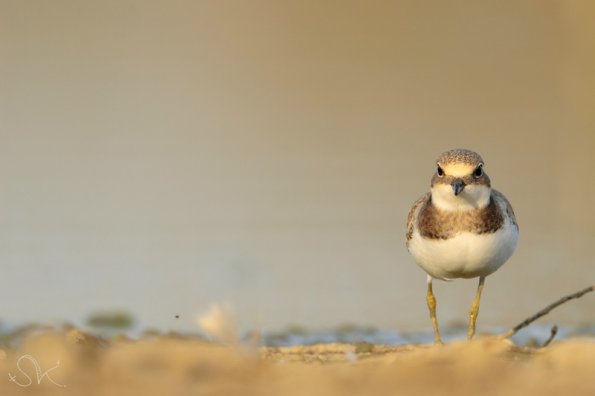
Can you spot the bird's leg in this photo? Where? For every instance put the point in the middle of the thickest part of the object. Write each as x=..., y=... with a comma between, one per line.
x=432, y=307
x=474, y=311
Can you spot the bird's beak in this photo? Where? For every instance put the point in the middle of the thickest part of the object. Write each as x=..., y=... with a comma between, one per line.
x=457, y=186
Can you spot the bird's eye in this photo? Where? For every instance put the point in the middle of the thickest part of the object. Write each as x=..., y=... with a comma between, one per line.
x=440, y=171
x=478, y=172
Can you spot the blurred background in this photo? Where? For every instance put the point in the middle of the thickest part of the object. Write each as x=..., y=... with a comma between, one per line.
x=156, y=157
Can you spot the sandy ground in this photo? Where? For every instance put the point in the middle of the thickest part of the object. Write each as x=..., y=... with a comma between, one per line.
x=178, y=366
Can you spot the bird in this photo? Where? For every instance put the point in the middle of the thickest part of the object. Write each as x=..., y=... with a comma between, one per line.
x=461, y=228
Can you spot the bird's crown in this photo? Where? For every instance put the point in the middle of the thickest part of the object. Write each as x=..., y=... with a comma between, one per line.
x=460, y=156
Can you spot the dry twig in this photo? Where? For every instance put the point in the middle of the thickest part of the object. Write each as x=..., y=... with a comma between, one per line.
x=553, y=332
x=546, y=310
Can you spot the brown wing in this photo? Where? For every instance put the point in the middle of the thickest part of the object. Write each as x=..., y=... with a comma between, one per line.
x=501, y=200
x=412, y=214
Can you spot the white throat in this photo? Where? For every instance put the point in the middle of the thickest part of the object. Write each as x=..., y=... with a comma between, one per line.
x=473, y=196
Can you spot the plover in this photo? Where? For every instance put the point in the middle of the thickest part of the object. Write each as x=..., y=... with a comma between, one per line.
x=462, y=228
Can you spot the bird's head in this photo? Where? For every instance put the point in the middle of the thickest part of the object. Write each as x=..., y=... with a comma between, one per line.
x=460, y=182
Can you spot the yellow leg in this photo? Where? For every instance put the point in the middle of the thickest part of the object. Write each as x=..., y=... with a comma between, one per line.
x=474, y=311
x=432, y=307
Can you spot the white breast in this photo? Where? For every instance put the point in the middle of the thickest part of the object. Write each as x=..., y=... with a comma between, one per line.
x=466, y=255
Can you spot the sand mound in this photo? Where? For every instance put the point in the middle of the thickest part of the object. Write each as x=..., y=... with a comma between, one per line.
x=78, y=364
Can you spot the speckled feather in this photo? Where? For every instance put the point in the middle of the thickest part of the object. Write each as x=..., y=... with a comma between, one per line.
x=434, y=223
x=412, y=213
x=460, y=156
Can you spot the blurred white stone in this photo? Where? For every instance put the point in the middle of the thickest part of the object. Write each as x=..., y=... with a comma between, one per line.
x=220, y=323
